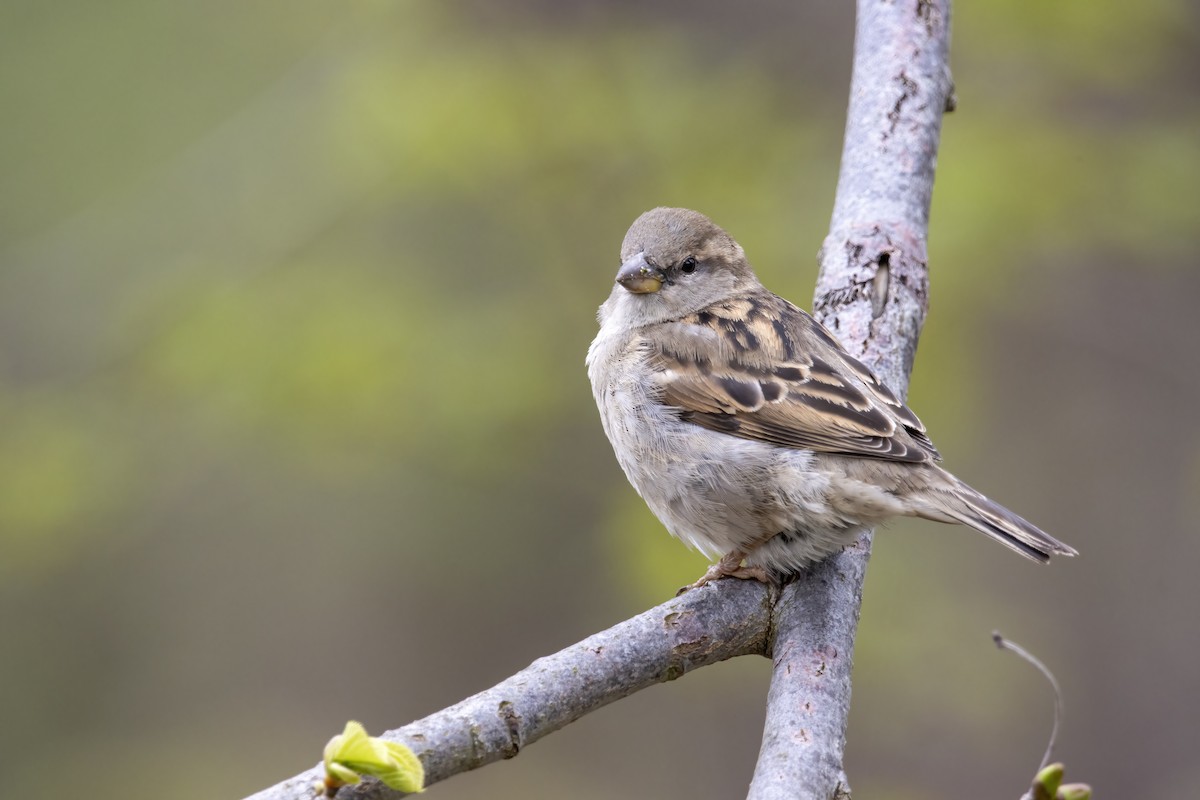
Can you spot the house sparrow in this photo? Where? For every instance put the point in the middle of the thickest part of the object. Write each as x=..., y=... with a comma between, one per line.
x=746, y=426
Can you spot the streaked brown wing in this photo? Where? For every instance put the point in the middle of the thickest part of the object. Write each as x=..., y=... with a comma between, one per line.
x=760, y=368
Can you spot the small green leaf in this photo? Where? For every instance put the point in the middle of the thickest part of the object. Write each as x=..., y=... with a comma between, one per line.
x=352, y=744
x=1074, y=791
x=1045, y=785
x=337, y=775
x=353, y=753
x=406, y=774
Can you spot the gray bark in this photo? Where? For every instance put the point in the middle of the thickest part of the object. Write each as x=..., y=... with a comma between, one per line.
x=872, y=292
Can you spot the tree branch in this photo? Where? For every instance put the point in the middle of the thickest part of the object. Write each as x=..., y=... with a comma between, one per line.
x=872, y=292
x=717, y=622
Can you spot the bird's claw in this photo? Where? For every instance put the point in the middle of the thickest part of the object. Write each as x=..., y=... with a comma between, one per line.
x=731, y=567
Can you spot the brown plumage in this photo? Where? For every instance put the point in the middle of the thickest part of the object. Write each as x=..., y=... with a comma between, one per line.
x=745, y=425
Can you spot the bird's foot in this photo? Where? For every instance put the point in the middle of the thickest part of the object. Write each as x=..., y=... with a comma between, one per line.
x=730, y=566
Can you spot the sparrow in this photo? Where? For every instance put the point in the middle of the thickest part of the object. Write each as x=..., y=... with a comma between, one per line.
x=745, y=425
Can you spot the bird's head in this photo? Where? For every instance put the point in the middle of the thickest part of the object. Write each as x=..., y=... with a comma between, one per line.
x=675, y=262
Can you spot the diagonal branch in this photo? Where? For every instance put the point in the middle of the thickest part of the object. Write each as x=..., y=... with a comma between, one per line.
x=872, y=292
x=720, y=621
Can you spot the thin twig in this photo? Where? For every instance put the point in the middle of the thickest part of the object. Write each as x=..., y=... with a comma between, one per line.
x=1005, y=644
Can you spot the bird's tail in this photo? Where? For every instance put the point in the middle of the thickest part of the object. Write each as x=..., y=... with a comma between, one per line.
x=955, y=501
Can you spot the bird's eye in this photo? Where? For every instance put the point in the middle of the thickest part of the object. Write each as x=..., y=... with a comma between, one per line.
x=688, y=266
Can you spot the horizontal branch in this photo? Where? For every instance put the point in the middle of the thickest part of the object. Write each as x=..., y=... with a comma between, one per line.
x=703, y=626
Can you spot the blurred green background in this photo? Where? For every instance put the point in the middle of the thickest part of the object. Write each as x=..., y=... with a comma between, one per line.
x=294, y=300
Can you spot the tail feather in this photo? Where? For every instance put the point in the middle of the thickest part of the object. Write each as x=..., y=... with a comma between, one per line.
x=960, y=503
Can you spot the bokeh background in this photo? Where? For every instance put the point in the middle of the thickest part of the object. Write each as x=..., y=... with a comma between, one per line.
x=294, y=301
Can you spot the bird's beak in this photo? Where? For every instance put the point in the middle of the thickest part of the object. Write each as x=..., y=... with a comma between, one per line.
x=639, y=277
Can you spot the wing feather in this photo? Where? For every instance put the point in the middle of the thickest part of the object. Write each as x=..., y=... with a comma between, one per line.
x=758, y=367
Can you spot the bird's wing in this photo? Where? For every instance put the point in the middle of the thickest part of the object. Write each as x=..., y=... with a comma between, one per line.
x=758, y=367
